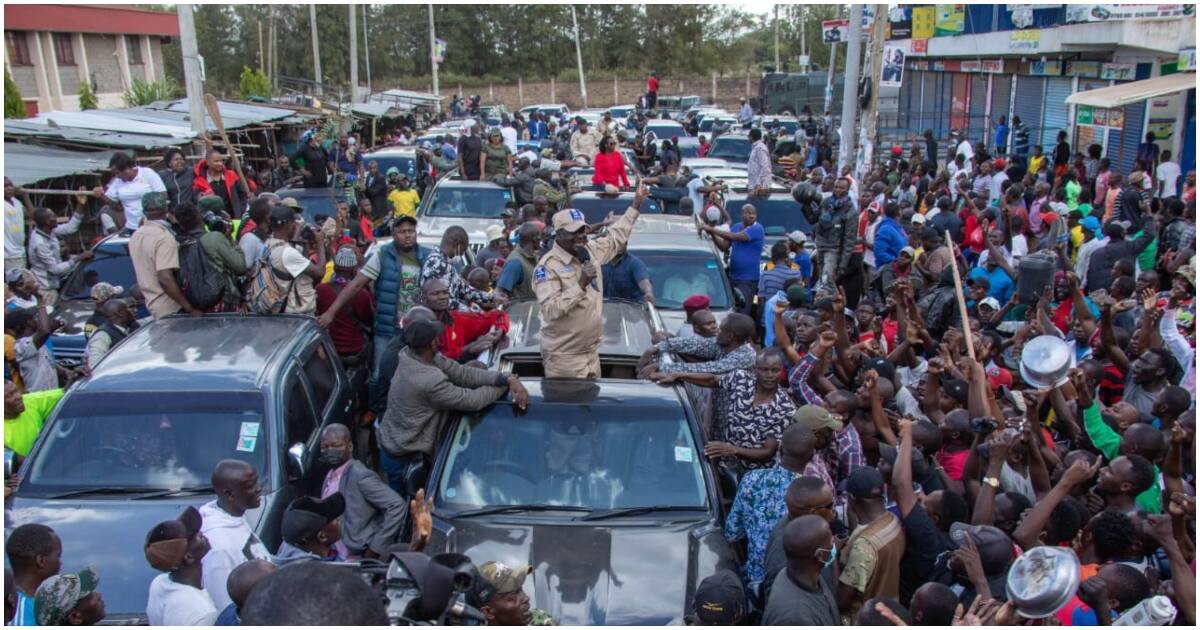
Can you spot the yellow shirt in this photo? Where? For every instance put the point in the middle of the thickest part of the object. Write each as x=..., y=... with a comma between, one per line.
x=404, y=202
x=1076, y=240
x=10, y=355
x=1035, y=163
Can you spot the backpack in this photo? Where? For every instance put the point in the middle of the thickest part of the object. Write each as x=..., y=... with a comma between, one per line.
x=268, y=291
x=201, y=282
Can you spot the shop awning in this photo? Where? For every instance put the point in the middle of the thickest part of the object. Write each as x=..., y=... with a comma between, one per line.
x=1134, y=91
x=26, y=164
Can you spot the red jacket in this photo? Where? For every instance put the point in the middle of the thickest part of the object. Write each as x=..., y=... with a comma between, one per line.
x=202, y=187
x=468, y=327
x=610, y=169
x=652, y=84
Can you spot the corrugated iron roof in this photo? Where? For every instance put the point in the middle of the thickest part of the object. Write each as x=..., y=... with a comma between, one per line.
x=91, y=137
x=26, y=164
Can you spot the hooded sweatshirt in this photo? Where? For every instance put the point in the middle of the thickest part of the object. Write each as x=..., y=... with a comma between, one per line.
x=233, y=542
x=289, y=553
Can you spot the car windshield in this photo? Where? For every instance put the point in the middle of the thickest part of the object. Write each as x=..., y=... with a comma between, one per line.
x=789, y=127
x=736, y=149
x=147, y=440
x=573, y=455
x=596, y=208
x=406, y=164
x=321, y=203
x=111, y=265
x=484, y=202
x=677, y=275
x=665, y=131
x=778, y=214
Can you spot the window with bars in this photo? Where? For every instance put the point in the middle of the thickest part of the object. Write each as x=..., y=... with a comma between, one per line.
x=64, y=50
x=18, y=48
x=133, y=47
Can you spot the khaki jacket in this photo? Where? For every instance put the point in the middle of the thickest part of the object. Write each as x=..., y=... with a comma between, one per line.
x=571, y=317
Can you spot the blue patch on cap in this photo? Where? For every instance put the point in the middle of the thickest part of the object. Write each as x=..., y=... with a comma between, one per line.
x=575, y=214
x=539, y=274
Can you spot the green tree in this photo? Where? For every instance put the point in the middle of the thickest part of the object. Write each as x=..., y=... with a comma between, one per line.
x=254, y=83
x=14, y=107
x=144, y=93
x=87, y=98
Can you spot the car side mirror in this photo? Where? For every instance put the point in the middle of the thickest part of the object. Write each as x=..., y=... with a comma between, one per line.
x=295, y=460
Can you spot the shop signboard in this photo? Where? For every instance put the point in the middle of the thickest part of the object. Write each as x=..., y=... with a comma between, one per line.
x=1024, y=41
x=923, y=22
x=900, y=23
x=1086, y=69
x=919, y=47
x=950, y=19
x=1118, y=71
x=1083, y=115
x=1187, y=60
x=1046, y=68
x=1106, y=12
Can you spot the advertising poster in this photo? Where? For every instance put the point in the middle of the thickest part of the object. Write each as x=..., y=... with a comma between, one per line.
x=893, y=66
x=1116, y=118
x=1088, y=69
x=1100, y=117
x=1118, y=71
x=900, y=23
x=923, y=22
x=835, y=31
x=1048, y=68
x=1083, y=115
x=950, y=19
x=919, y=47
x=1186, y=60
x=1024, y=41
x=1105, y=12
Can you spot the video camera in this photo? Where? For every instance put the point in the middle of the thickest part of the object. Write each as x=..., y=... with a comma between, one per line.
x=419, y=590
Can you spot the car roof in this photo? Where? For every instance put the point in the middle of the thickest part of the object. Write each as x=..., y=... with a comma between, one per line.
x=455, y=181
x=392, y=150
x=733, y=136
x=664, y=225
x=611, y=391
x=625, y=332
x=214, y=352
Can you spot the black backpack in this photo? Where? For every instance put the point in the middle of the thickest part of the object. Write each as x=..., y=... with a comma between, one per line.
x=201, y=282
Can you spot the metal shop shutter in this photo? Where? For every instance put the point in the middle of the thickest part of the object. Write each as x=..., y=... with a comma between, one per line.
x=1122, y=146
x=1055, y=118
x=1028, y=106
x=908, y=101
x=977, y=123
x=1001, y=91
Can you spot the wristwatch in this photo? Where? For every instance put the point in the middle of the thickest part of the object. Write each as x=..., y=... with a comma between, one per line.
x=992, y=481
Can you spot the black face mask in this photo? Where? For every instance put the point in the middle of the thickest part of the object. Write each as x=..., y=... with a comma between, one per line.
x=333, y=457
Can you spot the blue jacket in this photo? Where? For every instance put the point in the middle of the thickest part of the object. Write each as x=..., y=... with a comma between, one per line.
x=889, y=240
x=387, y=288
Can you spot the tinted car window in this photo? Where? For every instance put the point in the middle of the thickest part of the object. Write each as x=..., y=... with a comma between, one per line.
x=778, y=214
x=299, y=419
x=314, y=202
x=406, y=164
x=321, y=376
x=476, y=202
x=677, y=275
x=558, y=454
x=731, y=148
x=665, y=130
x=111, y=265
x=136, y=440
x=596, y=208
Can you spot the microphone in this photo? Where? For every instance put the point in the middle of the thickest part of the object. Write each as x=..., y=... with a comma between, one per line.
x=585, y=257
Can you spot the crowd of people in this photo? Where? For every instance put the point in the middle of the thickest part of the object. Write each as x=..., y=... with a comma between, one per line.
x=976, y=361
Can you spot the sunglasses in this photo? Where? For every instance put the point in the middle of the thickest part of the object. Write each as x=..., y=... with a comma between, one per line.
x=818, y=508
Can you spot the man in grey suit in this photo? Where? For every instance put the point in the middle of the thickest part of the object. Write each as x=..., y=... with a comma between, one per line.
x=374, y=514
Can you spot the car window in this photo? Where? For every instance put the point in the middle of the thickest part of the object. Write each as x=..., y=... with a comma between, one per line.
x=406, y=164
x=475, y=202
x=737, y=149
x=677, y=275
x=299, y=420
x=778, y=215
x=313, y=205
x=596, y=208
x=321, y=376
x=115, y=268
x=148, y=440
x=586, y=456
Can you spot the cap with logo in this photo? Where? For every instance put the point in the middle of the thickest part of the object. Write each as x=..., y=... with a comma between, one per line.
x=569, y=219
x=720, y=599
x=60, y=594
x=103, y=291
x=816, y=418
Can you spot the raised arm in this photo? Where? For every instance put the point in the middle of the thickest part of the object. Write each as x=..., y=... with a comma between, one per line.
x=902, y=480
x=1034, y=523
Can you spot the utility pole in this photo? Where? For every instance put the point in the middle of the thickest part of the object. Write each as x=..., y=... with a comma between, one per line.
x=271, y=49
x=262, y=59
x=366, y=49
x=866, y=148
x=312, y=18
x=778, y=68
x=433, y=60
x=192, y=78
x=804, y=37
x=353, y=54
x=579, y=58
x=829, y=78
x=850, y=95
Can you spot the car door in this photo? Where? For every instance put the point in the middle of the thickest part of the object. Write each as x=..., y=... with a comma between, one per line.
x=298, y=438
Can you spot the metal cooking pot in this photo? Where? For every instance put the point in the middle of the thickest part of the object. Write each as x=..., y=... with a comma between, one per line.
x=1043, y=580
x=1045, y=361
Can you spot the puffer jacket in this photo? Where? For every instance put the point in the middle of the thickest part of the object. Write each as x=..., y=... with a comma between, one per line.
x=202, y=187
x=835, y=229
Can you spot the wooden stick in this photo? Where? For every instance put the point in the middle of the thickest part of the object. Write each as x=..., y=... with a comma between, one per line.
x=48, y=191
x=962, y=300
x=214, y=110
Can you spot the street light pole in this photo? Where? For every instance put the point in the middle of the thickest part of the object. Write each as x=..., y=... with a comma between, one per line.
x=579, y=58
x=366, y=48
x=850, y=95
x=312, y=19
x=778, y=68
x=353, y=54
x=437, y=103
x=193, y=81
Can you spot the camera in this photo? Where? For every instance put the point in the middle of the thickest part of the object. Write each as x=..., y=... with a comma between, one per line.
x=216, y=222
x=419, y=590
x=984, y=425
x=308, y=232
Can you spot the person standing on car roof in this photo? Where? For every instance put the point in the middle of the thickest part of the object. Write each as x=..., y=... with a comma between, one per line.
x=569, y=290
x=316, y=162
x=470, y=148
x=744, y=241
x=652, y=90
x=516, y=277
x=177, y=177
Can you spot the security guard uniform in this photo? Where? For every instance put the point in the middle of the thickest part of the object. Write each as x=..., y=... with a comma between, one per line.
x=571, y=314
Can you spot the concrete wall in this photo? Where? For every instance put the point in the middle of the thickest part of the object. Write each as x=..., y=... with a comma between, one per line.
x=26, y=80
x=102, y=63
x=601, y=92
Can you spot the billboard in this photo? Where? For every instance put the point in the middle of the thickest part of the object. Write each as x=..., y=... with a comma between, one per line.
x=893, y=65
x=923, y=22
x=900, y=23
x=950, y=19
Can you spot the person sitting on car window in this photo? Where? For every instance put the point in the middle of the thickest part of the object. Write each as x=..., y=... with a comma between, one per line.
x=311, y=529
x=119, y=322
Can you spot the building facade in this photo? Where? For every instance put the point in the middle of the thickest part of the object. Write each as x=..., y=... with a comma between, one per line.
x=967, y=65
x=52, y=49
